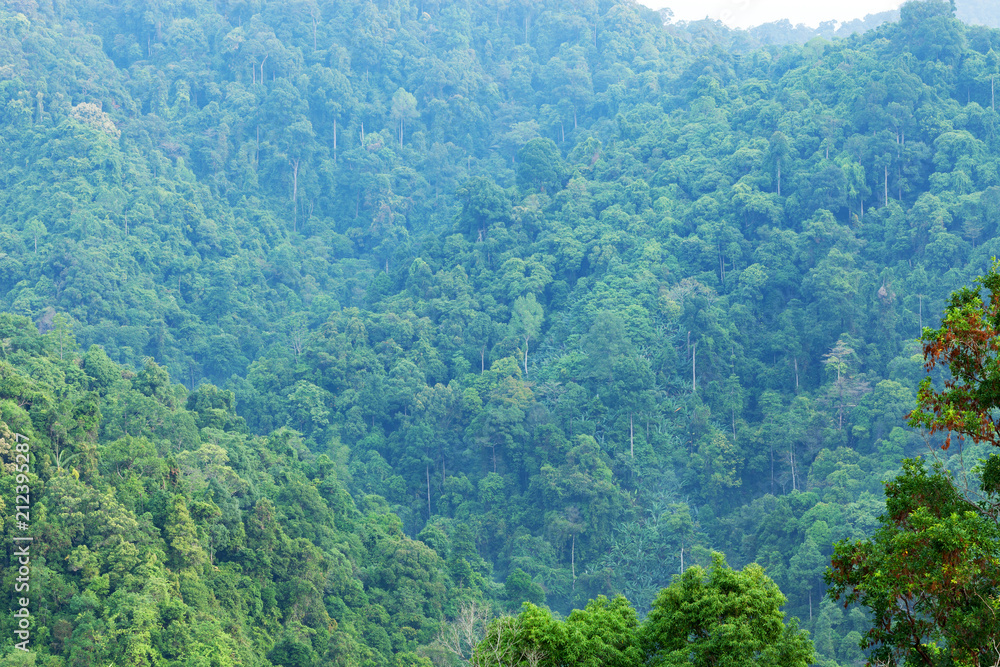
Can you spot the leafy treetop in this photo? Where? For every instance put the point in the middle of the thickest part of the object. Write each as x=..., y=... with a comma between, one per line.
x=968, y=343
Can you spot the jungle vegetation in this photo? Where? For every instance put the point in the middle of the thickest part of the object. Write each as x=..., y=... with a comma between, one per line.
x=330, y=322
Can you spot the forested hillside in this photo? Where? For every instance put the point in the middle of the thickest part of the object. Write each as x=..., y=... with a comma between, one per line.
x=569, y=294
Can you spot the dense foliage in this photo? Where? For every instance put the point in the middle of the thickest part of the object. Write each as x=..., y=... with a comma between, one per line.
x=930, y=575
x=719, y=617
x=165, y=534
x=968, y=344
x=571, y=295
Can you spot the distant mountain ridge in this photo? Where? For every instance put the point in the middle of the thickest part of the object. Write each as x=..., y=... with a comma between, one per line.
x=784, y=32
x=978, y=12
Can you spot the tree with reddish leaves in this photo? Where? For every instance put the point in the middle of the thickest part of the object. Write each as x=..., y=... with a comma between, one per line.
x=930, y=575
x=969, y=344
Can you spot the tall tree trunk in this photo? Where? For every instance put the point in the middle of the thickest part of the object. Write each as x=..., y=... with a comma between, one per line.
x=526, y=357
x=694, y=376
x=295, y=193
x=772, y=467
x=886, y=186
x=572, y=561
x=631, y=436
x=791, y=460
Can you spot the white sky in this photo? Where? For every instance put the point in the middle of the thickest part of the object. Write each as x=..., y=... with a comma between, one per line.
x=748, y=13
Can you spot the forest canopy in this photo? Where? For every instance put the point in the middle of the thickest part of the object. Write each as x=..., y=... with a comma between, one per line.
x=327, y=321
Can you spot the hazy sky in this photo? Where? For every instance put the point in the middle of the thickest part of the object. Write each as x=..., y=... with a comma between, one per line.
x=747, y=13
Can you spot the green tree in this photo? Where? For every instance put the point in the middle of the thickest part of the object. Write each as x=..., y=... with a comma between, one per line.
x=968, y=342
x=540, y=166
x=929, y=576
x=723, y=617
x=526, y=322
x=404, y=108
x=604, y=633
x=484, y=206
x=183, y=535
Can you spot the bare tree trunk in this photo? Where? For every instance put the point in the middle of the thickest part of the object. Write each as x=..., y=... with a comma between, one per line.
x=772, y=468
x=791, y=459
x=295, y=193
x=631, y=436
x=796, y=360
x=526, y=357
x=694, y=377
x=334, y=139
x=886, y=186
x=572, y=561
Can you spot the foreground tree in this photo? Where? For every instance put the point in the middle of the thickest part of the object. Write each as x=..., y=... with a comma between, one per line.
x=725, y=618
x=968, y=343
x=603, y=634
x=718, y=617
x=930, y=575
